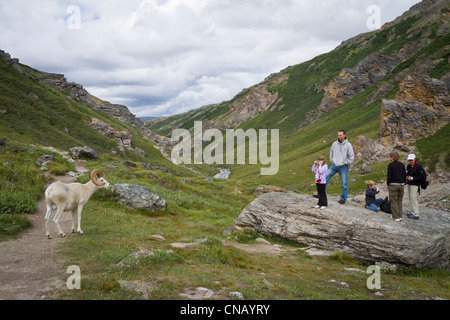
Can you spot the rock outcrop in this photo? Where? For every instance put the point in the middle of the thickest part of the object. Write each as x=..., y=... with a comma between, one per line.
x=83, y=153
x=14, y=62
x=117, y=111
x=351, y=82
x=123, y=138
x=420, y=108
x=367, y=236
x=138, y=197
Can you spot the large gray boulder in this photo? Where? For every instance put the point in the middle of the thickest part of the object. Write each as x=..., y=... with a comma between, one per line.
x=83, y=153
x=138, y=197
x=367, y=236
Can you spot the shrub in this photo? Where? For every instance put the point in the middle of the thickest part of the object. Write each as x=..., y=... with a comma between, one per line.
x=17, y=202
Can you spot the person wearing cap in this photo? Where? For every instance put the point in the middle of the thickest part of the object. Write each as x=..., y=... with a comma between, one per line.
x=415, y=175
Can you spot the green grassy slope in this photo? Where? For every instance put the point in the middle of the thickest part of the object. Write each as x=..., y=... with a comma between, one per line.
x=38, y=114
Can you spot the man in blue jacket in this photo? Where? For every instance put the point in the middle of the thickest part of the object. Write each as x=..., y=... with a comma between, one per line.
x=341, y=156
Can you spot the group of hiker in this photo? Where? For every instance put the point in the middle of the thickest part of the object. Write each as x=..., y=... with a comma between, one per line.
x=342, y=156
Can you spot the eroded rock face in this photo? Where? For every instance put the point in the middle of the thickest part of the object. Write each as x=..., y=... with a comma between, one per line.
x=367, y=236
x=420, y=108
x=351, y=82
x=123, y=138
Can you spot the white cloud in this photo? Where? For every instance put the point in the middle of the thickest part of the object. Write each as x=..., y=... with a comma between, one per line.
x=161, y=57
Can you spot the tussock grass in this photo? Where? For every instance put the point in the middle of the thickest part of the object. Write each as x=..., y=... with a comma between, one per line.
x=202, y=209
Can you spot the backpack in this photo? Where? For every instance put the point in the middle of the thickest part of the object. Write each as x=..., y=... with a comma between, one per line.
x=386, y=205
x=424, y=184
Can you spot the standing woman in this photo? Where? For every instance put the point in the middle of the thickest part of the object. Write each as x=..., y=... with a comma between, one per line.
x=320, y=168
x=415, y=176
x=396, y=178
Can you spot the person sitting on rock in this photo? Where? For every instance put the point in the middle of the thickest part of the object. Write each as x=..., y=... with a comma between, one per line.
x=372, y=203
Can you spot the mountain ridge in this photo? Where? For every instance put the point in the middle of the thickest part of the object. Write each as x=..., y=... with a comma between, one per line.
x=273, y=92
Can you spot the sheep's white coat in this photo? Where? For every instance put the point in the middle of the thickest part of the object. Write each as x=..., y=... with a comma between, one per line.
x=69, y=197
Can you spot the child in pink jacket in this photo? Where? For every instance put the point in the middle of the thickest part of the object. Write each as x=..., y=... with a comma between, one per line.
x=320, y=168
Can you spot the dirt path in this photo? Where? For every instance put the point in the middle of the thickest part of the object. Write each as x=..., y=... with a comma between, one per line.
x=30, y=267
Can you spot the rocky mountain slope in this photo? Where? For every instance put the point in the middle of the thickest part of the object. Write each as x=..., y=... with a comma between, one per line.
x=389, y=88
x=46, y=110
x=415, y=43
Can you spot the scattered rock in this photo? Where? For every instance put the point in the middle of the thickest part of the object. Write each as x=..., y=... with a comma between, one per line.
x=72, y=174
x=438, y=298
x=355, y=269
x=262, y=240
x=317, y=252
x=185, y=245
x=134, y=256
x=199, y=293
x=138, y=197
x=223, y=174
x=83, y=153
x=387, y=267
x=236, y=295
x=340, y=284
x=42, y=160
x=261, y=189
x=139, y=152
x=129, y=164
x=143, y=288
x=149, y=166
x=157, y=237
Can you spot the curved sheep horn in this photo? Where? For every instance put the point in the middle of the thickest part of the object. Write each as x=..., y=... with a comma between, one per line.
x=95, y=175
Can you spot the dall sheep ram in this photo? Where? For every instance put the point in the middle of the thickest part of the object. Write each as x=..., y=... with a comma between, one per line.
x=71, y=197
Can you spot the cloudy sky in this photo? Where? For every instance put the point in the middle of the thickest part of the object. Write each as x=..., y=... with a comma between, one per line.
x=163, y=57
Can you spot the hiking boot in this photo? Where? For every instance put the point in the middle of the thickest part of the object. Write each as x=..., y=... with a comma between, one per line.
x=341, y=201
x=412, y=216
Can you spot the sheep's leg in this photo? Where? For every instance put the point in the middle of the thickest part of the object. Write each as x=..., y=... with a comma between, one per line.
x=80, y=209
x=59, y=212
x=47, y=218
x=73, y=221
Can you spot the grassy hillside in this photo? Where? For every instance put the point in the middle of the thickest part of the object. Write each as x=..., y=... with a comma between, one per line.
x=198, y=209
x=34, y=115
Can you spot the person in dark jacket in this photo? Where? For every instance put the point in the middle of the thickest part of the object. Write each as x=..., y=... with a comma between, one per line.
x=372, y=203
x=415, y=175
x=396, y=179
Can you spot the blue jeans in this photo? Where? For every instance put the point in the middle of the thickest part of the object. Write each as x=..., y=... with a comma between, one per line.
x=375, y=206
x=343, y=173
